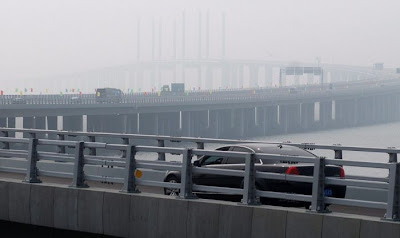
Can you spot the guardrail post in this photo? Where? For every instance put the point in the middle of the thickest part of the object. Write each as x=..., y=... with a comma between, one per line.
x=92, y=151
x=161, y=155
x=249, y=183
x=186, y=175
x=393, y=203
x=200, y=146
x=338, y=154
x=61, y=148
x=318, y=196
x=79, y=175
x=6, y=145
x=31, y=170
x=392, y=158
x=130, y=168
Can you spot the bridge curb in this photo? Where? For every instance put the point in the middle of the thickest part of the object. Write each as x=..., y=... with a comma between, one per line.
x=105, y=211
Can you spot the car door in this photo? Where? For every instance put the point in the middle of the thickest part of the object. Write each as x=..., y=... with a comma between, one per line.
x=215, y=162
x=235, y=163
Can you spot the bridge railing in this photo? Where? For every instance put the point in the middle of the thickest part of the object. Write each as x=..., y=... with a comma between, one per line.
x=128, y=169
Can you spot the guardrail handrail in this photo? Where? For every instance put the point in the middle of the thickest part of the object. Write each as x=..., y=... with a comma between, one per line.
x=131, y=166
x=337, y=148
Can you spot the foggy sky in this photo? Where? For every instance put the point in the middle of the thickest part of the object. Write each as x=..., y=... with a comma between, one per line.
x=45, y=37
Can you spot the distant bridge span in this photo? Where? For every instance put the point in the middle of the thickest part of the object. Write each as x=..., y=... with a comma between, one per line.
x=220, y=114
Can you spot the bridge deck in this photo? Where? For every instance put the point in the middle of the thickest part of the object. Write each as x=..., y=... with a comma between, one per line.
x=156, y=190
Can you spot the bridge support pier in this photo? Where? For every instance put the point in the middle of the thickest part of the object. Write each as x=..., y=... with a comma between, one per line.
x=187, y=124
x=131, y=123
x=40, y=123
x=293, y=118
x=271, y=120
x=52, y=122
x=148, y=123
x=283, y=118
x=11, y=123
x=194, y=123
x=346, y=113
x=3, y=122
x=72, y=123
x=28, y=122
x=307, y=116
x=325, y=115
x=220, y=123
x=259, y=129
x=250, y=121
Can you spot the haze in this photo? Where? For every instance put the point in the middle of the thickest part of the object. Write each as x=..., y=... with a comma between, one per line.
x=49, y=37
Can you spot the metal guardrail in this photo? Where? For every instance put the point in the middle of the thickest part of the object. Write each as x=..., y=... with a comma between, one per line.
x=131, y=165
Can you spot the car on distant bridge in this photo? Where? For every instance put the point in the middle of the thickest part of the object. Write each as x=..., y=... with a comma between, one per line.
x=18, y=100
x=262, y=165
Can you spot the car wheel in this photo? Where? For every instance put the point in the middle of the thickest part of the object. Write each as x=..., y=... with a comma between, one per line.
x=172, y=191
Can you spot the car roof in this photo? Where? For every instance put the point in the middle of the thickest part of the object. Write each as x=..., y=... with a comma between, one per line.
x=278, y=149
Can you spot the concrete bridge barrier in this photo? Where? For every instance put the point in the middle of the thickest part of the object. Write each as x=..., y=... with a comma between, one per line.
x=109, y=212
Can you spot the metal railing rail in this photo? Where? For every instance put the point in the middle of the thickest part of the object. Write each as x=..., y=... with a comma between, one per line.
x=200, y=142
x=130, y=165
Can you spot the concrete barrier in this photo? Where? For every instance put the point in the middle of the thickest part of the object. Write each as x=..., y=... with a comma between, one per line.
x=42, y=205
x=172, y=217
x=269, y=222
x=301, y=223
x=66, y=208
x=4, y=201
x=235, y=220
x=18, y=203
x=143, y=216
x=335, y=226
x=375, y=228
x=203, y=219
x=116, y=214
x=90, y=211
x=109, y=212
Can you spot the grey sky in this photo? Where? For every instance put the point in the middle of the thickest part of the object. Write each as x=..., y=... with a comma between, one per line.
x=44, y=37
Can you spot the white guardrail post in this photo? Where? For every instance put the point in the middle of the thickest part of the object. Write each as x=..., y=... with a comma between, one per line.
x=249, y=183
x=186, y=175
x=31, y=170
x=393, y=203
x=78, y=180
x=318, y=185
x=130, y=168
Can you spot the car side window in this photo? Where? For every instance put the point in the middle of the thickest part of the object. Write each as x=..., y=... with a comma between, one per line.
x=232, y=160
x=212, y=160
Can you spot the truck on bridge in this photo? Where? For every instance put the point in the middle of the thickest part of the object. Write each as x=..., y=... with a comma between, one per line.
x=108, y=95
x=175, y=88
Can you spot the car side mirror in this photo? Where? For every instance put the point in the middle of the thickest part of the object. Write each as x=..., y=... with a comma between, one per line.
x=196, y=163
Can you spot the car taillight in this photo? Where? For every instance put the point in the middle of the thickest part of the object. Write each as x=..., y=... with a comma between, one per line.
x=342, y=174
x=293, y=170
